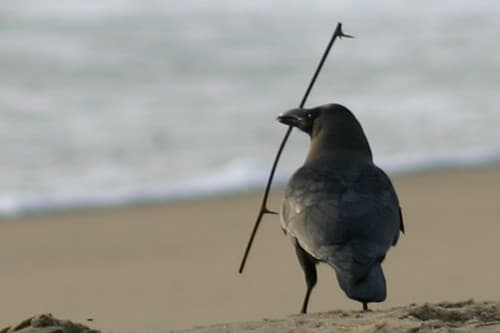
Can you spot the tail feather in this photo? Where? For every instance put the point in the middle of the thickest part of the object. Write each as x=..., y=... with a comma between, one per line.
x=370, y=288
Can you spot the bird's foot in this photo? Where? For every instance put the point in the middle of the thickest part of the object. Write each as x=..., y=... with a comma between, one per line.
x=365, y=306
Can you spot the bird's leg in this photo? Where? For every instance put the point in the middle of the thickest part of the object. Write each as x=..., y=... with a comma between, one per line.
x=306, y=299
x=308, y=265
x=365, y=306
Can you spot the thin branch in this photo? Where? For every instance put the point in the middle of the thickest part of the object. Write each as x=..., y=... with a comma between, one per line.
x=263, y=208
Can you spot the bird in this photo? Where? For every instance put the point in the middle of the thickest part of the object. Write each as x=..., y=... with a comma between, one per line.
x=339, y=208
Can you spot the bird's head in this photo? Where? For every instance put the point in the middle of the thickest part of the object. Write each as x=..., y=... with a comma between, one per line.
x=331, y=126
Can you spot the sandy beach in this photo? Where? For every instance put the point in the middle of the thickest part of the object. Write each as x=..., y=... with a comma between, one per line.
x=152, y=268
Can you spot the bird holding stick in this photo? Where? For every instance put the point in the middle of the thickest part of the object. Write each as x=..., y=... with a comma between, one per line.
x=339, y=207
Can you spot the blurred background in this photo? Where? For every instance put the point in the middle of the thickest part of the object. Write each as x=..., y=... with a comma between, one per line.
x=118, y=101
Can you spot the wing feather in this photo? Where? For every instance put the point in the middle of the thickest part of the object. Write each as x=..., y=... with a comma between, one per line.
x=348, y=219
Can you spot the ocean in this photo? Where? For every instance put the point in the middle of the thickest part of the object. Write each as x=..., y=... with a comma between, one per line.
x=113, y=102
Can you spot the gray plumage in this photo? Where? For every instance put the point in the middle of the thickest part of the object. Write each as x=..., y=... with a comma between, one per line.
x=340, y=208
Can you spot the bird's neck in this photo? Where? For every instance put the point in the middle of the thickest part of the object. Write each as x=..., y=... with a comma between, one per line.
x=330, y=146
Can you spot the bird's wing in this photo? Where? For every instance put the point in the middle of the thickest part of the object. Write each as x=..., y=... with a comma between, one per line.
x=371, y=209
x=348, y=219
x=310, y=210
x=401, y=225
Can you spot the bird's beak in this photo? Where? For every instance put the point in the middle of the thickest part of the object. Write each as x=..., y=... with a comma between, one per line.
x=294, y=117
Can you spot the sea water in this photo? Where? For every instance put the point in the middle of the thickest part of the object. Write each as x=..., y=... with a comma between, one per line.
x=123, y=101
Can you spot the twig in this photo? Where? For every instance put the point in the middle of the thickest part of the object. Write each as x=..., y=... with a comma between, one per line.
x=263, y=208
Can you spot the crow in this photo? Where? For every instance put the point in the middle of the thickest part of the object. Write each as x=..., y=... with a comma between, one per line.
x=339, y=208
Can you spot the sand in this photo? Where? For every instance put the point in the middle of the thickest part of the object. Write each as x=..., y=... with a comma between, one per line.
x=466, y=316
x=152, y=268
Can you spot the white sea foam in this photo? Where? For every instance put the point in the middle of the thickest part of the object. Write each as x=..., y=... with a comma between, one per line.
x=234, y=178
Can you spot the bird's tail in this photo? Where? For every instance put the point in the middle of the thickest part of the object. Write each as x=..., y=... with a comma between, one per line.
x=370, y=288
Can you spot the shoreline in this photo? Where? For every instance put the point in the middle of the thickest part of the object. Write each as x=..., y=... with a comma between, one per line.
x=251, y=191
x=153, y=267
